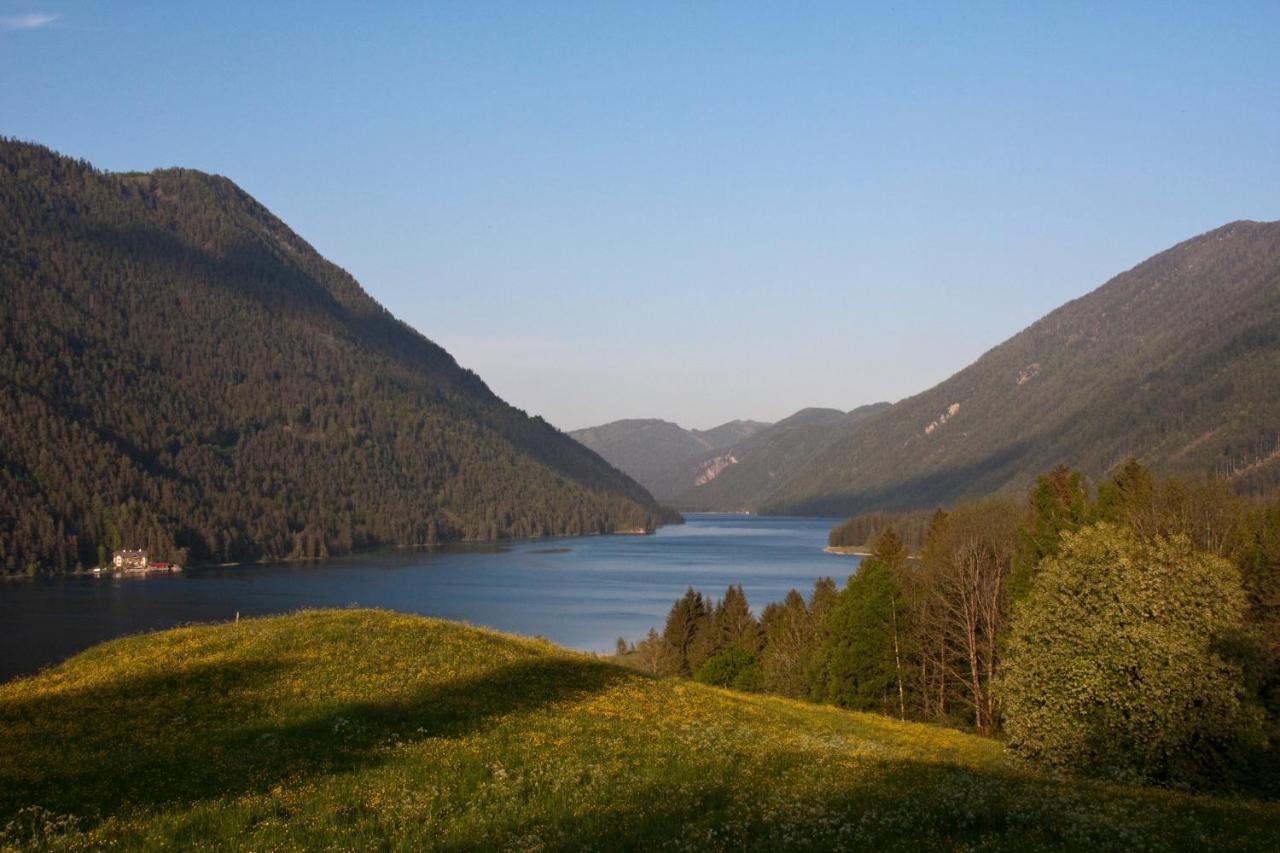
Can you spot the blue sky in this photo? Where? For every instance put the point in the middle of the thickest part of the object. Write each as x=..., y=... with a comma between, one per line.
x=696, y=211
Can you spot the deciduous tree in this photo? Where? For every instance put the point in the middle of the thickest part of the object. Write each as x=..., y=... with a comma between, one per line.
x=1112, y=666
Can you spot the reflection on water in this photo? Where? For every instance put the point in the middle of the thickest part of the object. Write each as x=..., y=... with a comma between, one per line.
x=581, y=593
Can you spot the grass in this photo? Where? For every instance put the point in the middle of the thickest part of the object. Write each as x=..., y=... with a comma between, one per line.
x=366, y=729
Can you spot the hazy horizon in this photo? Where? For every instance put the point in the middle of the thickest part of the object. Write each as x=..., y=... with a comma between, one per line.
x=694, y=214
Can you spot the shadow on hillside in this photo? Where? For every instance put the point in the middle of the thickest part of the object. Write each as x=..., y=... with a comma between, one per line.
x=207, y=731
x=981, y=477
x=307, y=286
x=896, y=804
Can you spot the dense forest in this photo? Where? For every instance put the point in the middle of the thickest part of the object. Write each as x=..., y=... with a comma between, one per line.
x=181, y=372
x=865, y=529
x=1130, y=631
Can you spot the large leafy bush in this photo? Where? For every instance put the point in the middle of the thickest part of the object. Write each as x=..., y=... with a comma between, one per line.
x=1113, y=666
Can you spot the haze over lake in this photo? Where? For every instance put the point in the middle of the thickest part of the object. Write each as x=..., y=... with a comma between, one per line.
x=581, y=592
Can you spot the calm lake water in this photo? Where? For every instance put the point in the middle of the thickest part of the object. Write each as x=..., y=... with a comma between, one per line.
x=582, y=592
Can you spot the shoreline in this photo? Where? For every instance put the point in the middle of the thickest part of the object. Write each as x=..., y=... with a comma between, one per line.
x=268, y=561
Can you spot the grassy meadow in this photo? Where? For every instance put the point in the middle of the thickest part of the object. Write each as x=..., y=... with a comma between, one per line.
x=362, y=729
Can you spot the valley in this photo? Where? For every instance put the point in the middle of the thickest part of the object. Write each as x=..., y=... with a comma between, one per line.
x=1173, y=362
x=537, y=427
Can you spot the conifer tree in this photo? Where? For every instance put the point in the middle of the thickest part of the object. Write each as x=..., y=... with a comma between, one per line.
x=857, y=661
x=822, y=599
x=1057, y=502
x=735, y=623
x=684, y=622
x=788, y=646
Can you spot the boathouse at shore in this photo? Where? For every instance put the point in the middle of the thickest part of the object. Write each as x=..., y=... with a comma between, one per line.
x=125, y=560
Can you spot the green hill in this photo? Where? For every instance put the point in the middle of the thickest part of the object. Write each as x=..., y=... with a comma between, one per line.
x=363, y=729
x=181, y=372
x=1175, y=362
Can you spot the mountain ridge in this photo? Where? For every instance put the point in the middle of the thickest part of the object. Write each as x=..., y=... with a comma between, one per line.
x=647, y=448
x=705, y=476
x=1175, y=361
x=755, y=467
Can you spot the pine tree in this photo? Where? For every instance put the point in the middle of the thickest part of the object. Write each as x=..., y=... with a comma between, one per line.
x=735, y=623
x=1057, y=502
x=788, y=646
x=686, y=618
x=857, y=660
x=822, y=599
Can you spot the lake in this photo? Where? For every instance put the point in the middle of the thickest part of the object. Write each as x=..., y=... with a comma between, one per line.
x=578, y=592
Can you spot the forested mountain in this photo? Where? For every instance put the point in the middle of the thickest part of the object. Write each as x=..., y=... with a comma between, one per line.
x=648, y=449
x=181, y=372
x=1175, y=362
x=732, y=467
x=747, y=474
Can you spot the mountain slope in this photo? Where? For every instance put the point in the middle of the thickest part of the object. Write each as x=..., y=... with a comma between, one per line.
x=360, y=729
x=1176, y=362
x=647, y=449
x=181, y=372
x=746, y=475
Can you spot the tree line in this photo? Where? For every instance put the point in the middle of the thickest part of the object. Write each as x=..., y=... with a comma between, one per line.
x=864, y=529
x=1130, y=631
